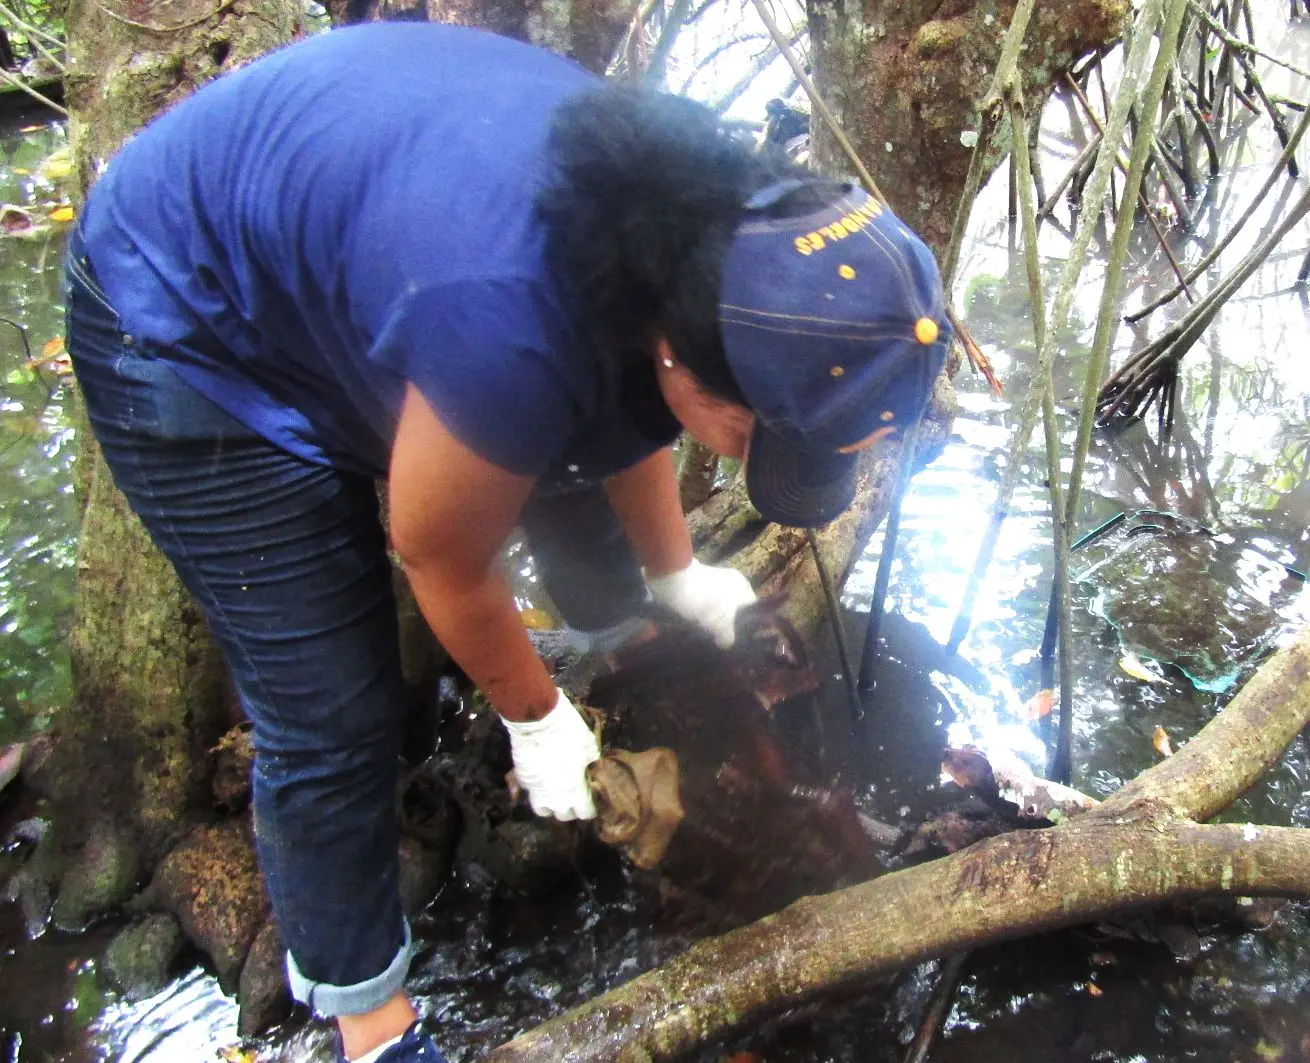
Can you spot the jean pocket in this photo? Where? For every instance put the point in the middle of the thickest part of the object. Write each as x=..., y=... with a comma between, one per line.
x=167, y=407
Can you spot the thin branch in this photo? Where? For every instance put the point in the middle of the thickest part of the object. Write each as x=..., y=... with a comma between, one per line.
x=1246, y=216
x=1146, y=207
x=22, y=85
x=1239, y=45
x=992, y=108
x=760, y=64
x=219, y=9
x=816, y=102
x=1059, y=528
x=1108, y=318
x=33, y=34
x=1116, y=122
x=659, y=55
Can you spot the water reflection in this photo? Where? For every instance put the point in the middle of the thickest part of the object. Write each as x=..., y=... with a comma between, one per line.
x=37, y=510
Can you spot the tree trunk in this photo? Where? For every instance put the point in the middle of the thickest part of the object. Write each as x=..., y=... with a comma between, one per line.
x=129, y=769
x=1136, y=849
x=906, y=80
x=587, y=31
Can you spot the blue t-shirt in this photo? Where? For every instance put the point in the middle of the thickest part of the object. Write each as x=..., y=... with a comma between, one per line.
x=307, y=234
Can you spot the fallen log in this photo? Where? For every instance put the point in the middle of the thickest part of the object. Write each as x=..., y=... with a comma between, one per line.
x=1017, y=884
x=1136, y=849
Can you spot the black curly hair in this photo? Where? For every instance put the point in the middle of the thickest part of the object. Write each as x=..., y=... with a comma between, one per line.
x=645, y=192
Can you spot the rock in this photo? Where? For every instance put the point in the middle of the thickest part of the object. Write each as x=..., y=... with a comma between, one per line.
x=11, y=760
x=31, y=889
x=101, y=877
x=211, y=883
x=264, y=996
x=233, y=758
x=533, y=855
x=422, y=870
x=140, y=959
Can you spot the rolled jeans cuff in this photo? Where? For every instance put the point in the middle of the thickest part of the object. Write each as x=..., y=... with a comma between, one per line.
x=332, y=1000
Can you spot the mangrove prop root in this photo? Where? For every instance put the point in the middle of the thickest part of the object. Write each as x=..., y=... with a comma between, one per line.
x=1019, y=883
x=1136, y=849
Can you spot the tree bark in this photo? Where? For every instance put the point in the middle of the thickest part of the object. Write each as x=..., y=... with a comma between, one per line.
x=906, y=80
x=129, y=769
x=1136, y=849
x=588, y=31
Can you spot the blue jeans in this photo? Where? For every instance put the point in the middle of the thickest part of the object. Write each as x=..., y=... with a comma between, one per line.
x=288, y=560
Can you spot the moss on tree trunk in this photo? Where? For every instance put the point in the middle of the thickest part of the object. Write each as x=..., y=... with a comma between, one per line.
x=907, y=80
x=130, y=762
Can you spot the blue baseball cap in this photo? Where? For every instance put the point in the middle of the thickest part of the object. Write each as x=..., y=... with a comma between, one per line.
x=834, y=326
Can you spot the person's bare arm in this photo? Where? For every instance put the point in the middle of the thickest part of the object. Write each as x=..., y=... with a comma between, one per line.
x=451, y=512
x=645, y=499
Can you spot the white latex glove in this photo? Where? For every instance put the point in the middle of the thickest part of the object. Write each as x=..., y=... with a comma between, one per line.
x=705, y=595
x=551, y=757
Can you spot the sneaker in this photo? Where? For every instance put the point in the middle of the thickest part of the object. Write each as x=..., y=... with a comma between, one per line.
x=415, y=1047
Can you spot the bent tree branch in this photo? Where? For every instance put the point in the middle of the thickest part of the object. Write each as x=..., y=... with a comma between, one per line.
x=1138, y=848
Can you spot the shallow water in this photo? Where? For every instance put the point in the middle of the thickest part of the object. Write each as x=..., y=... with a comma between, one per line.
x=495, y=963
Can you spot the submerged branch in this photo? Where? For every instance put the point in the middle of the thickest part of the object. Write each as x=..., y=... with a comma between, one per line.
x=1017, y=884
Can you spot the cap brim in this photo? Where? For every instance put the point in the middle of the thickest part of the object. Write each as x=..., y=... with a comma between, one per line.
x=791, y=485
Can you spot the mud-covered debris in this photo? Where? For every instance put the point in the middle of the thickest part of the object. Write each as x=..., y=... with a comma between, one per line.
x=637, y=803
x=234, y=756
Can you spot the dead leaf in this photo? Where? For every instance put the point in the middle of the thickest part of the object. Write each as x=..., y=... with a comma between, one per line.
x=537, y=620
x=1131, y=664
x=63, y=213
x=1094, y=990
x=1268, y=1051
x=53, y=347
x=15, y=219
x=1160, y=739
x=236, y=1054
x=57, y=165
x=1039, y=705
x=969, y=768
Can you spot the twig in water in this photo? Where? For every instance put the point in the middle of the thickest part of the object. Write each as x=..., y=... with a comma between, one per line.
x=1108, y=317
x=943, y=997
x=905, y=470
x=1116, y=122
x=1146, y=207
x=838, y=629
x=1246, y=216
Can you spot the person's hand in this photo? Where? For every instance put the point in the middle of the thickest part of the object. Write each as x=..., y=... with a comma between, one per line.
x=705, y=595
x=551, y=757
